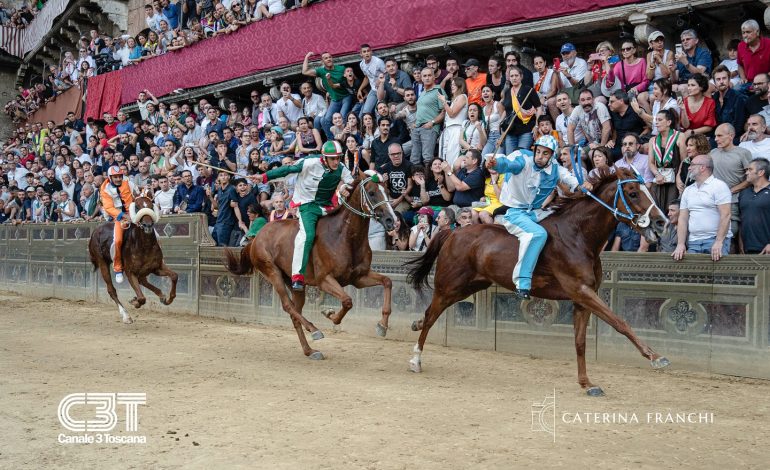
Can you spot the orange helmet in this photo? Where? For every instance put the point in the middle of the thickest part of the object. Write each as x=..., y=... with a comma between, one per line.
x=114, y=171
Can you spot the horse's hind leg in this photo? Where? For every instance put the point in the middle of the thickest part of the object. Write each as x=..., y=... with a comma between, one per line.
x=372, y=279
x=104, y=270
x=580, y=318
x=298, y=299
x=330, y=285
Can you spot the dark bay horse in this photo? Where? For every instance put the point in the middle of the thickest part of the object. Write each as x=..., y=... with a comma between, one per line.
x=341, y=256
x=142, y=256
x=470, y=259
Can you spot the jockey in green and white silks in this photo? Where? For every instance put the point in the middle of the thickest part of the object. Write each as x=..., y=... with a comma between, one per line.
x=529, y=179
x=315, y=194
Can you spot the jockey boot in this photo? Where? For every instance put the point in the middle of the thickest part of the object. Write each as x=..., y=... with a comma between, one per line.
x=119, y=278
x=298, y=285
x=522, y=294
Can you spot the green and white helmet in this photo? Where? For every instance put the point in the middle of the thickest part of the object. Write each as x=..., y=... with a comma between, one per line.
x=332, y=148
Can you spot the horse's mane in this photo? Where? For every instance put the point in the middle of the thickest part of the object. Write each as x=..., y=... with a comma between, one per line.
x=339, y=206
x=603, y=177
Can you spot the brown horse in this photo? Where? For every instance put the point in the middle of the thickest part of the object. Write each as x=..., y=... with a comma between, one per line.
x=341, y=256
x=142, y=256
x=569, y=268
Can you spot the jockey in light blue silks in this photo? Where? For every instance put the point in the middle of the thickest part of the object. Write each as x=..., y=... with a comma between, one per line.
x=529, y=180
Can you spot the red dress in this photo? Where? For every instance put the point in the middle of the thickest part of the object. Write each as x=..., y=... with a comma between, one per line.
x=706, y=115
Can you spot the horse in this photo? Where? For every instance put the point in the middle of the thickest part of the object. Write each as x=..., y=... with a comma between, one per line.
x=142, y=256
x=471, y=258
x=341, y=256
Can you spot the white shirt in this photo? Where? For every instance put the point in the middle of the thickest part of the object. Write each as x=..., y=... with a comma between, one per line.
x=274, y=6
x=577, y=71
x=289, y=109
x=314, y=106
x=373, y=69
x=561, y=126
x=703, y=201
x=590, y=123
x=164, y=201
x=757, y=149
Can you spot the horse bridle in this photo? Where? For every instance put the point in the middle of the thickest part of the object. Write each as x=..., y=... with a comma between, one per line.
x=366, y=202
x=639, y=220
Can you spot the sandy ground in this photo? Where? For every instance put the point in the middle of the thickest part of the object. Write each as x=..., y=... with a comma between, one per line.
x=222, y=395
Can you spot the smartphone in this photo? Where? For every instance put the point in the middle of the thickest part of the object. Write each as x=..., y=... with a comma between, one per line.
x=678, y=48
x=556, y=63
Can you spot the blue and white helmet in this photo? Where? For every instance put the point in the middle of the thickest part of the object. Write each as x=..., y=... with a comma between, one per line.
x=549, y=142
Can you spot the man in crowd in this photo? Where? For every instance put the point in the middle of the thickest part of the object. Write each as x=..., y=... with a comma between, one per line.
x=226, y=203
x=730, y=165
x=314, y=106
x=754, y=204
x=372, y=67
x=691, y=61
x=670, y=238
x=757, y=141
x=392, y=85
x=188, y=197
x=289, y=105
x=332, y=76
x=593, y=119
x=730, y=104
x=624, y=120
x=89, y=202
x=474, y=81
x=164, y=196
x=632, y=159
x=704, y=213
x=753, y=52
x=379, y=156
x=430, y=114
x=466, y=179
x=399, y=178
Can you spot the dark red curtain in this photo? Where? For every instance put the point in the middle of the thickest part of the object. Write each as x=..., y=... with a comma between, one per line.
x=336, y=26
x=103, y=95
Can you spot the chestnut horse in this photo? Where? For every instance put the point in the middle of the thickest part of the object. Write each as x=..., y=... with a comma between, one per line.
x=341, y=256
x=470, y=259
x=142, y=255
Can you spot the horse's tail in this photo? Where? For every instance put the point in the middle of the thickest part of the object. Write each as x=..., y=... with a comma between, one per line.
x=240, y=266
x=420, y=270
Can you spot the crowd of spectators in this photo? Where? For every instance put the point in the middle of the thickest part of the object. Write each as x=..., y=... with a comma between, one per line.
x=693, y=127
x=20, y=17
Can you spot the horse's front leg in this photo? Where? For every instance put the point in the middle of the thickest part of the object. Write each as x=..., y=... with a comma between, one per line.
x=370, y=279
x=330, y=285
x=165, y=271
x=139, y=300
x=580, y=318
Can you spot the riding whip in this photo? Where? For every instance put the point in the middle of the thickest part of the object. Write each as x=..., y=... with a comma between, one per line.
x=502, y=137
x=217, y=168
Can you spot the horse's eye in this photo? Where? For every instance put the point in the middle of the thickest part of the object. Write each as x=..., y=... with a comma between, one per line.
x=633, y=194
x=371, y=193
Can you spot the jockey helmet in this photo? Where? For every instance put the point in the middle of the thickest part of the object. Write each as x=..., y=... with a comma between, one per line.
x=114, y=171
x=549, y=142
x=332, y=148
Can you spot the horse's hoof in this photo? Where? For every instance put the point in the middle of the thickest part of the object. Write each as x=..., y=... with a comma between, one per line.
x=415, y=366
x=660, y=363
x=595, y=392
x=381, y=330
x=316, y=356
x=416, y=325
x=316, y=335
x=164, y=301
x=328, y=313
x=128, y=320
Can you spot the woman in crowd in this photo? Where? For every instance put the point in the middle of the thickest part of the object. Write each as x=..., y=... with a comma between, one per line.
x=493, y=183
x=276, y=149
x=565, y=158
x=338, y=126
x=153, y=43
x=600, y=159
x=353, y=157
x=251, y=10
x=246, y=117
x=696, y=144
x=630, y=72
x=599, y=68
x=134, y=51
x=435, y=186
x=422, y=232
x=521, y=104
x=308, y=141
x=456, y=113
x=233, y=115
x=660, y=64
x=661, y=99
x=368, y=133
x=256, y=222
x=280, y=211
x=398, y=238
x=268, y=8
x=546, y=80
x=494, y=113
x=697, y=111
x=473, y=136
x=666, y=150
x=84, y=73
x=495, y=76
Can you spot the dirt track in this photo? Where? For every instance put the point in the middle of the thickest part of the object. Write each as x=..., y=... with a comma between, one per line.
x=248, y=398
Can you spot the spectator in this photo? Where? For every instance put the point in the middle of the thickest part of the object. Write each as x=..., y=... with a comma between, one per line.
x=546, y=80
x=308, y=140
x=473, y=134
x=164, y=197
x=422, y=233
x=630, y=72
x=731, y=164
x=445, y=220
x=493, y=113
x=624, y=121
x=731, y=64
x=468, y=182
x=484, y=212
x=89, y=202
x=757, y=141
x=691, y=61
x=696, y=144
x=730, y=106
x=759, y=97
x=280, y=211
x=172, y=13
x=332, y=77
x=474, y=81
x=753, y=52
x=521, y=105
x=313, y=105
x=666, y=152
x=398, y=174
x=398, y=238
x=573, y=70
x=379, y=155
x=153, y=17
x=430, y=114
x=565, y=108
x=593, y=119
x=246, y=198
x=289, y=104
x=704, y=213
x=697, y=111
x=513, y=59
x=372, y=67
x=66, y=209
x=392, y=85
x=226, y=203
x=660, y=64
x=456, y=113
x=670, y=238
x=495, y=77
x=631, y=158
x=256, y=222
x=661, y=99
x=754, y=202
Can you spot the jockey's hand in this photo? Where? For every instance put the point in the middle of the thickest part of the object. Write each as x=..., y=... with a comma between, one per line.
x=491, y=161
x=125, y=223
x=255, y=178
x=344, y=192
x=587, y=186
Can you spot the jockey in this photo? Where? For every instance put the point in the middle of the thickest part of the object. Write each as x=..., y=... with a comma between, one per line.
x=529, y=180
x=116, y=198
x=317, y=182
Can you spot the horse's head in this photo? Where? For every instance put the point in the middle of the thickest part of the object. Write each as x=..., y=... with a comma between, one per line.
x=636, y=205
x=372, y=197
x=143, y=214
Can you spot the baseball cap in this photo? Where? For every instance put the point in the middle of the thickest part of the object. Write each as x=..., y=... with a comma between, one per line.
x=471, y=63
x=654, y=35
x=567, y=47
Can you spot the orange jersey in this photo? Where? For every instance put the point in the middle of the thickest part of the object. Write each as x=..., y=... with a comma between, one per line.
x=116, y=200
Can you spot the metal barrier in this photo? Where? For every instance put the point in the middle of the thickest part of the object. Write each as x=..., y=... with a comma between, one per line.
x=702, y=315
